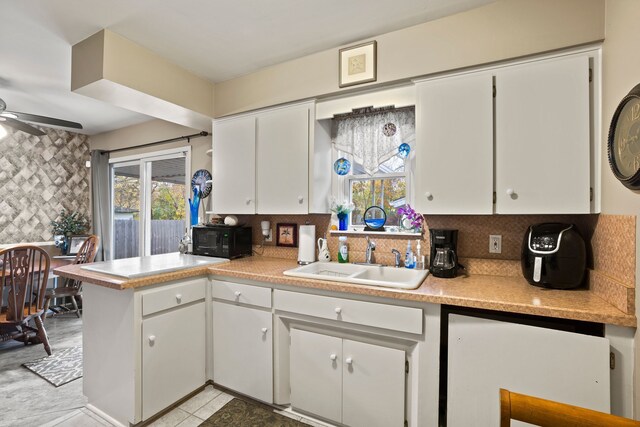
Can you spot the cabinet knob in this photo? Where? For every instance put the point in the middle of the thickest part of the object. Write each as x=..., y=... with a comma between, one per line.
x=264, y=330
x=178, y=298
x=338, y=310
x=428, y=195
x=333, y=356
x=237, y=294
x=247, y=200
x=348, y=360
x=510, y=191
x=300, y=199
x=152, y=339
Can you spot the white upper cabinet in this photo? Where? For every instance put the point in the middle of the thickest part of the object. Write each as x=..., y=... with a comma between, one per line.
x=282, y=160
x=261, y=162
x=543, y=137
x=454, y=155
x=234, y=166
x=531, y=143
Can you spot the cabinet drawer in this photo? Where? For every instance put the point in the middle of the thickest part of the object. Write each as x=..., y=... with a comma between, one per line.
x=244, y=294
x=405, y=319
x=171, y=296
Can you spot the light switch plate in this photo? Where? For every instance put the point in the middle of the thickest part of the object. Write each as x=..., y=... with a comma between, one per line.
x=495, y=244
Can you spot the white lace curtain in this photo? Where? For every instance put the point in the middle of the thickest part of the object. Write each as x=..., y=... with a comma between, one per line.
x=371, y=138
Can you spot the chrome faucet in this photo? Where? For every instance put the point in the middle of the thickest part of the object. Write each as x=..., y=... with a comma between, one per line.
x=371, y=246
x=397, y=254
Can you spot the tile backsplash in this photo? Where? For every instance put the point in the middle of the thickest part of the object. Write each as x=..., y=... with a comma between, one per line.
x=610, y=241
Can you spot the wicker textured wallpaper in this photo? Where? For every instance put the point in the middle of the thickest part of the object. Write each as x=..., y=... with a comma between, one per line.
x=39, y=176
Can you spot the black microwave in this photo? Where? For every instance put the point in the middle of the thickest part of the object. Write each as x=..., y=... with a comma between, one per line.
x=222, y=241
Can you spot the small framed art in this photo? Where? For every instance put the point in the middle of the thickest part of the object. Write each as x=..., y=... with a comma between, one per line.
x=358, y=64
x=75, y=243
x=287, y=235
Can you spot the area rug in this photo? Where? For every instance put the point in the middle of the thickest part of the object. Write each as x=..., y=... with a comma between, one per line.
x=240, y=413
x=61, y=367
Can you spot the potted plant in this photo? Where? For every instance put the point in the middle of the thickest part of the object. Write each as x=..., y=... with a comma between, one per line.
x=66, y=225
x=342, y=210
x=410, y=220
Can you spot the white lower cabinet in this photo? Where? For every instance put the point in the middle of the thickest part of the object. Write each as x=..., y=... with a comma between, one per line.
x=486, y=355
x=173, y=356
x=347, y=381
x=243, y=350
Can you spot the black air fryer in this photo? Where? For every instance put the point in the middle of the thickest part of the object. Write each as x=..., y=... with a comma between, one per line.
x=554, y=256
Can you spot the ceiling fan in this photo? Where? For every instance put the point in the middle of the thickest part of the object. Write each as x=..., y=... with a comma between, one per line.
x=16, y=120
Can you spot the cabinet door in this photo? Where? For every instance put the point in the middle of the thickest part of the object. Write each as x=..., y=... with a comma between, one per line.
x=243, y=350
x=542, y=138
x=282, y=168
x=486, y=355
x=316, y=374
x=173, y=357
x=454, y=154
x=234, y=166
x=373, y=385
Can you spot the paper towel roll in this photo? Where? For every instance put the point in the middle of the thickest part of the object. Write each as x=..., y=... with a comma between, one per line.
x=307, y=244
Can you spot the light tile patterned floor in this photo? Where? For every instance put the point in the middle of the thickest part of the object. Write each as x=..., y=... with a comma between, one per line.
x=189, y=414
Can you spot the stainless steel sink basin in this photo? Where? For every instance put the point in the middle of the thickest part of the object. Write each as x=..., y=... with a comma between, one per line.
x=389, y=277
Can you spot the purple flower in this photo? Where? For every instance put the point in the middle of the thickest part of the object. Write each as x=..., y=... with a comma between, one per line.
x=415, y=218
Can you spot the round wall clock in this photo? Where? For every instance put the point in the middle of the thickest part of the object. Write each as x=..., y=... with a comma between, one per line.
x=624, y=140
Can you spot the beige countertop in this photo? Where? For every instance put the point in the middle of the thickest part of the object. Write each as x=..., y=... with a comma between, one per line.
x=509, y=294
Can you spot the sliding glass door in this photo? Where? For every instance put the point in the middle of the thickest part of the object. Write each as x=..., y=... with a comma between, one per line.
x=149, y=203
x=125, y=209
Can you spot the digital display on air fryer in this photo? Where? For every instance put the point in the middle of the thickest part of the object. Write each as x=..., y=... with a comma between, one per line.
x=544, y=243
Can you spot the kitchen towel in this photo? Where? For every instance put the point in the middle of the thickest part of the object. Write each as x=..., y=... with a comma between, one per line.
x=307, y=244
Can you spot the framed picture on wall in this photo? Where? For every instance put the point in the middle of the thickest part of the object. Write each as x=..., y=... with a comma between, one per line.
x=287, y=235
x=75, y=243
x=358, y=64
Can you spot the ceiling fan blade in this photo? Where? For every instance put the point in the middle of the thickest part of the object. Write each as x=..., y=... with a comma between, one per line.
x=45, y=120
x=21, y=126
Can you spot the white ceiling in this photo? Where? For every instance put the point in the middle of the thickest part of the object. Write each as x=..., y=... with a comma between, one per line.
x=216, y=39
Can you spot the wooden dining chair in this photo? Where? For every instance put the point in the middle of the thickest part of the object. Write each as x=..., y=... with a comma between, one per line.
x=23, y=280
x=73, y=288
x=542, y=412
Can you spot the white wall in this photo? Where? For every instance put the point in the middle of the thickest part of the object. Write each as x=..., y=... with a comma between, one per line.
x=621, y=65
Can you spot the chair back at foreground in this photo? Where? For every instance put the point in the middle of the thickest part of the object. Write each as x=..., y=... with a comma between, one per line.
x=71, y=287
x=23, y=279
x=542, y=412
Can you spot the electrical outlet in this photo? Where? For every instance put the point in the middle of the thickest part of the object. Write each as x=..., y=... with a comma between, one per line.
x=495, y=244
x=269, y=238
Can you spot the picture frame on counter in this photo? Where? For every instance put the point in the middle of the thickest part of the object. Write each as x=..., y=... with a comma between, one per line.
x=358, y=64
x=75, y=243
x=287, y=235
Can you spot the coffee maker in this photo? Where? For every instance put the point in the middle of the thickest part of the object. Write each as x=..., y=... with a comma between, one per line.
x=443, y=259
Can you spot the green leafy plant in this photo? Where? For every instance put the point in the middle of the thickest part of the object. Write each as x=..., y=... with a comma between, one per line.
x=69, y=223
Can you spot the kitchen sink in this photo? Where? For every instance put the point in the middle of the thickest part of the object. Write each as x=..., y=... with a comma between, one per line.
x=389, y=277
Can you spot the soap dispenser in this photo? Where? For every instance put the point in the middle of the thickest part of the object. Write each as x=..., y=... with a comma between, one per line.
x=420, y=259
x=409, y=261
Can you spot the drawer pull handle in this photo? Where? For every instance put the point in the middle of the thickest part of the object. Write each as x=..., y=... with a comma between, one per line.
x=333, y=357
x=152, y=339
x=178, y=298
x=349, y=360
x=338, y=310
x=237, y=294
x=264, y=330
